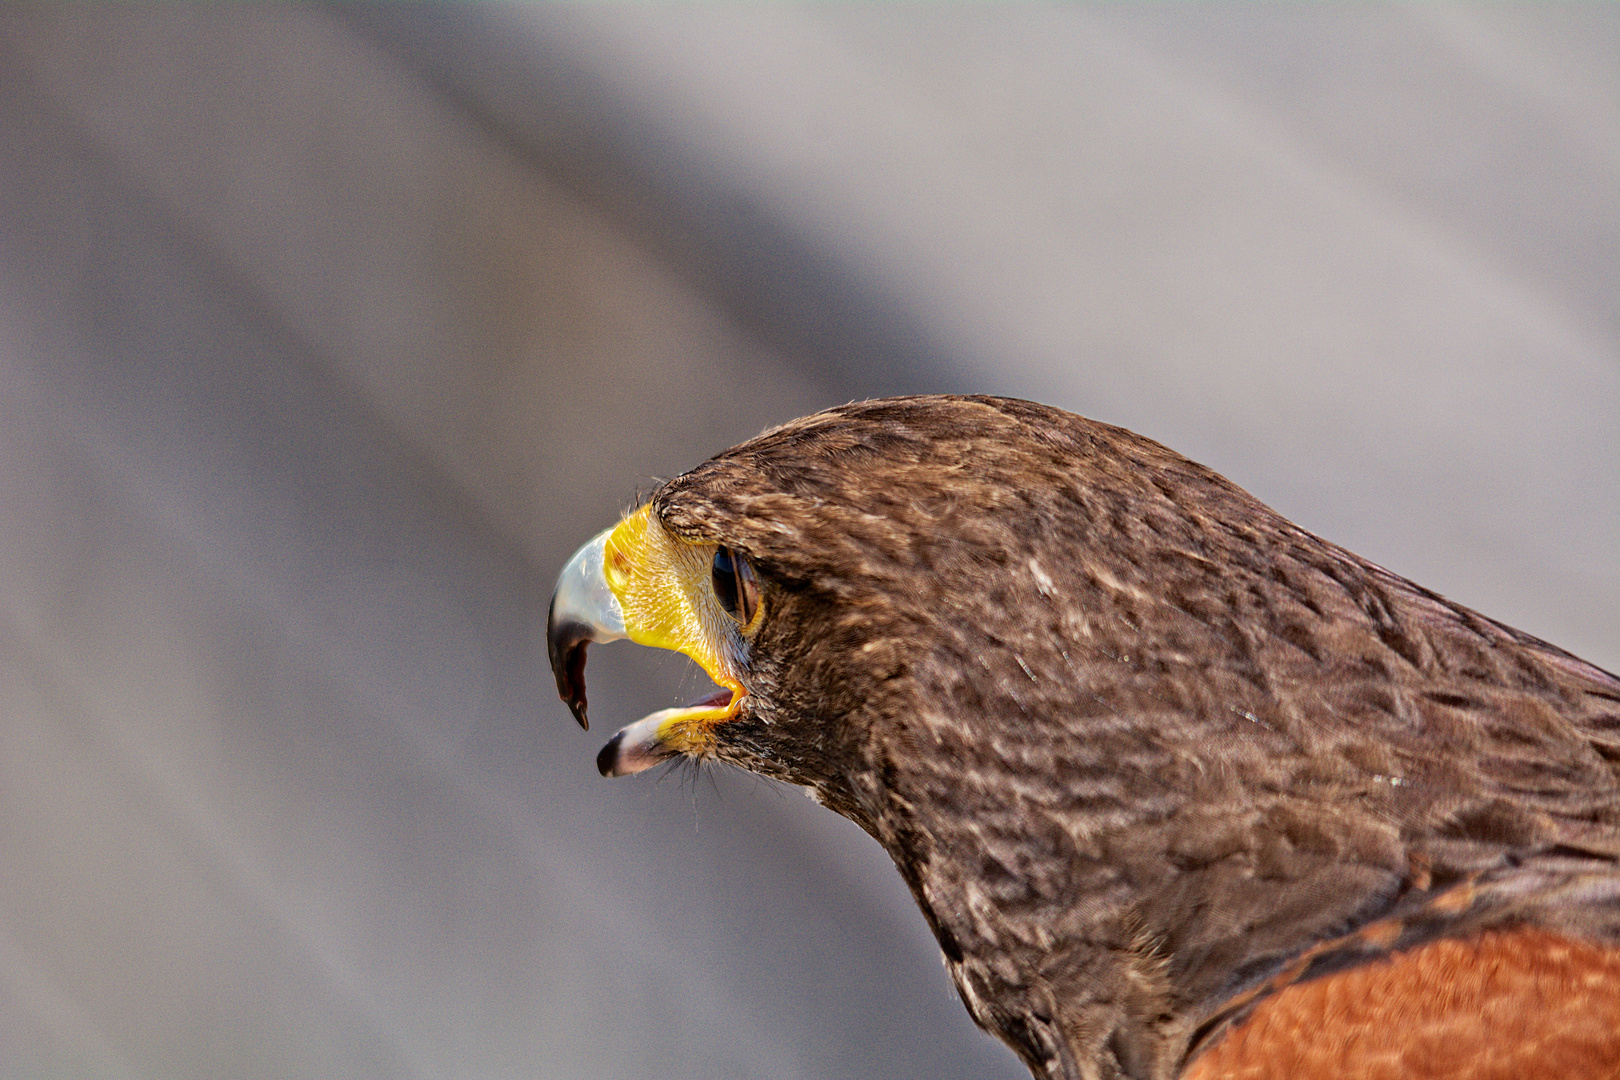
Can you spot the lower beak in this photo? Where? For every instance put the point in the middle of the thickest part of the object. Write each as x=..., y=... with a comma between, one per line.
x=638, y=746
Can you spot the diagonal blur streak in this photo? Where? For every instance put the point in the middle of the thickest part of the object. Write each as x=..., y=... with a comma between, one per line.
x=327, y=333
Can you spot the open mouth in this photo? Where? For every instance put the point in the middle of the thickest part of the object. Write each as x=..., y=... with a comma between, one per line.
x=633, y=581
x=666, y=733
x=717, y=700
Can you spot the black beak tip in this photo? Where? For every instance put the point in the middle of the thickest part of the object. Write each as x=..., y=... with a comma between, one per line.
x=565, y=646
x=608, y=757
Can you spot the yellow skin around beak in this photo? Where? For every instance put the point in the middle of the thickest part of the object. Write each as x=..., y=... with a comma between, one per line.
x=664, y=596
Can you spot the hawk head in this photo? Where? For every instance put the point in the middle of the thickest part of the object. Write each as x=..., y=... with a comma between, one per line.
x=861, y=585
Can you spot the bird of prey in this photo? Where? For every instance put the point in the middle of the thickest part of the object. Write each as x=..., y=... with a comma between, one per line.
x=1181, y=789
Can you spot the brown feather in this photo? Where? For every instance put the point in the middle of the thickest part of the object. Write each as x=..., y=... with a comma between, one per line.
x=1139, y=745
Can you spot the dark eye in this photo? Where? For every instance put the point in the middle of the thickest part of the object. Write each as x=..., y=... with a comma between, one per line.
x=735, y=584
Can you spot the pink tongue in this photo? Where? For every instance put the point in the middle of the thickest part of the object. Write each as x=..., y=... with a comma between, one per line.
x=713, y=701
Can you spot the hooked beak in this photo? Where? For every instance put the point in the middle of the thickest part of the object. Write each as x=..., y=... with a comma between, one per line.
x=583, y=610
x=636, y=581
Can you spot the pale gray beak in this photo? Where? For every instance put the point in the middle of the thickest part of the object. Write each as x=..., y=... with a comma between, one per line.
x=583, y=610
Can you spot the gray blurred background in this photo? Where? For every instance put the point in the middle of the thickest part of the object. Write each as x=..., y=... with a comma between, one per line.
x=327, y=333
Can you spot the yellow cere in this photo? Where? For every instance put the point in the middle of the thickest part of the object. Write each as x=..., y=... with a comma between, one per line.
x=662, y=584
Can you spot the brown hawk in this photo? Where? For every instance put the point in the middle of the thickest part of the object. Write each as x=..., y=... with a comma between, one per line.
x=1181, y=789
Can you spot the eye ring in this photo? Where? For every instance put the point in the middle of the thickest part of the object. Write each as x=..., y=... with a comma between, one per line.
x=736, y=585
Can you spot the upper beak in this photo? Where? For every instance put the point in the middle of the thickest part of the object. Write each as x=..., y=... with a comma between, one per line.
x=583, y=610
